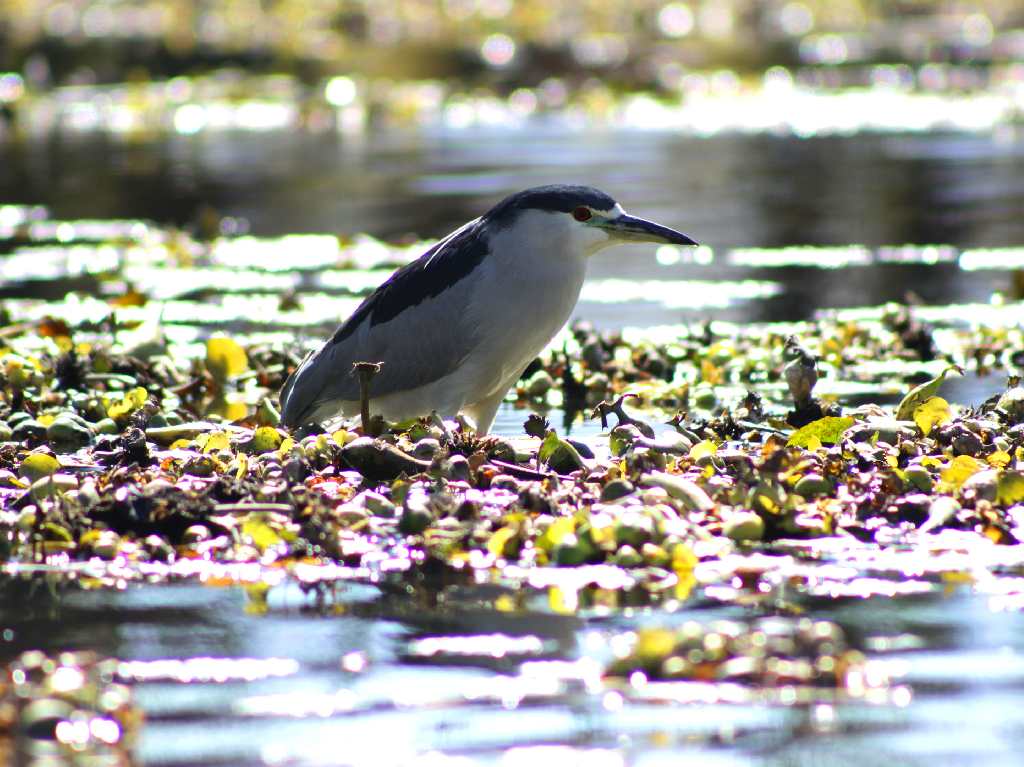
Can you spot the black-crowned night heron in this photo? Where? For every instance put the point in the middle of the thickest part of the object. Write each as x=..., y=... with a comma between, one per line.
x=457, y=327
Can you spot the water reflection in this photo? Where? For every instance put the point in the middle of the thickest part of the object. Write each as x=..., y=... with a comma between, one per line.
x=222, y=685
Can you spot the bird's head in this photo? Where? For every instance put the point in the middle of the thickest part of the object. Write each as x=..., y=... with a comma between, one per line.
x=589, y=218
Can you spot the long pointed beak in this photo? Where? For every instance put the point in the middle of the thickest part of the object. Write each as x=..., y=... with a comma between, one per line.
x=627, y=227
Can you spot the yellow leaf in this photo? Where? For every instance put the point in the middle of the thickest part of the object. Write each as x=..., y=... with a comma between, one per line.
x=265, y=439
x=499, y=540
x=563, y=601
x=602, y=530
x=225, y=358
x=701, y=449
x=683, y=559
x=286, y=447
x=828, y=431
x=243, y=467
x=684, y=586
x=265, y=529
x=556, y=533
x=1000, y=459
x=654, y=645
x=38, y=465
x=342, y=437
x=931, y=413
x=959, y=469
x=505, y=603
x=215, y=440
x=813, y=444
x=132, y=400
x=711, y=373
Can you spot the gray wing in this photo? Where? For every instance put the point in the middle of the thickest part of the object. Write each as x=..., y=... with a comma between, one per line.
x=414, y=323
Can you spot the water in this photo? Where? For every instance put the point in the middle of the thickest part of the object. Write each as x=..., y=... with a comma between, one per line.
x=727, y=190
x=301, y=706
x=346, y=686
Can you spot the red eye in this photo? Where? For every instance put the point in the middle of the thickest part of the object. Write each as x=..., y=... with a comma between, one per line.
x=582, y=213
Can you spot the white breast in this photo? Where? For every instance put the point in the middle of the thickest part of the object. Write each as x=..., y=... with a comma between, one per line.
x=527, y=290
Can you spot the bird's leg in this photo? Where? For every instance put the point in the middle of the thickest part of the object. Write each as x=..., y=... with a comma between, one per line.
x=483, y=412
x=365, y=371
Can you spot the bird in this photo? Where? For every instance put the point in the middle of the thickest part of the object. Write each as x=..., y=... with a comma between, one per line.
x=456, y=328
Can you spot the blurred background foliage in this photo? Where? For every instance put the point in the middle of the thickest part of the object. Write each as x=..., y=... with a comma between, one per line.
x=646, y=44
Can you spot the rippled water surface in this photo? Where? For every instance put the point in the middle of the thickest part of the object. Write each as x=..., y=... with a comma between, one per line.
x=344, y=677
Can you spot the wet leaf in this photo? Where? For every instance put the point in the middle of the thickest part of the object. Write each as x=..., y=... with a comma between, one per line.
x=931, y=413
x=225, y=358
x=827, y=431
x=921, y=394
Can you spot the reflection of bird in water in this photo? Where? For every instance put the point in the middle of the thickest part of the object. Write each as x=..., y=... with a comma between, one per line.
x=456, y=328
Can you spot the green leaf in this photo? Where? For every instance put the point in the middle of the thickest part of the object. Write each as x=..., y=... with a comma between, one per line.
x=559, y=455
x=1010, y=489
x=921, y=394
x=548, y=446
x=827, y=431
x=933, y=412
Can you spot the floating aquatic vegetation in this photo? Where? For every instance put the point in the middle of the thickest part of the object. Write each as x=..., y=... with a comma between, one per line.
x=158, y=453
